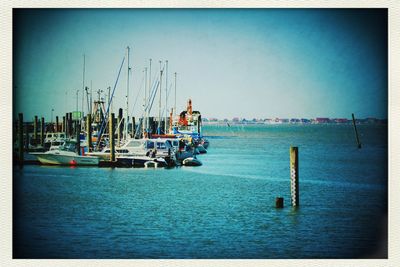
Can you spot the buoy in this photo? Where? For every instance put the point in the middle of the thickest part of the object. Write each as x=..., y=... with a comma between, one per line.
x=72, y=162
x=279, y=202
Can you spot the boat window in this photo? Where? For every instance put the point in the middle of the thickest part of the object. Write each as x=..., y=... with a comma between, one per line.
x=160, y=145
x=122, y=151
x=134, y=143
x=56, y=143
x=150, y=145
x=107, y=151
x=49, y=135
x=176, y=143
x=62, y=136
x=68, y=147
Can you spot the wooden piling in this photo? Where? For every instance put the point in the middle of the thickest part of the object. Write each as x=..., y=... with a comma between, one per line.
x=89, y=131
x=355, y=131
x=78, y=138
x=42, y=131
x=294, y=176
x=27, y=138
x=279, y=202
x=35, y=131
x=150, y=127
x=63, y=125
x=112, y=141
x=56, y=124
x=70, y=124
x=119, y=125
x=133, y=127
x=21, y=138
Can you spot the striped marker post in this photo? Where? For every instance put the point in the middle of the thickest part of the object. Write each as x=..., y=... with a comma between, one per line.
x=294, y=176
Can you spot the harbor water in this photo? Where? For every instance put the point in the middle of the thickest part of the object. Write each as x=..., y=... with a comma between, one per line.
x=224, y=209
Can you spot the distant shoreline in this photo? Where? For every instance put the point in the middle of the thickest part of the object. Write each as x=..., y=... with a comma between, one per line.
x=292, y=121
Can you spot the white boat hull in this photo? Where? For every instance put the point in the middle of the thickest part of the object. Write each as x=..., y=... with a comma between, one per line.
x=62, y=159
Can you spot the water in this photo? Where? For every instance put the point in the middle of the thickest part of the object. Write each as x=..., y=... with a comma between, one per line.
x=223, y=209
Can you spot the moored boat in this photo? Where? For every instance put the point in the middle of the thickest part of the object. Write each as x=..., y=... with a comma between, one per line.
x=192, y=161
x=66, y=155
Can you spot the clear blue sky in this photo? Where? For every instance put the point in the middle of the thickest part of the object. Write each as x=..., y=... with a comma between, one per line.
x=251, y=63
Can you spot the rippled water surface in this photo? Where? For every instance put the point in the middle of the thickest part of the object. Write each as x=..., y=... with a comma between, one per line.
x=223, y=209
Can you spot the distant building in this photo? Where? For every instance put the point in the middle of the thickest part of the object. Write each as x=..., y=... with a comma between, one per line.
x=341, y=120
x=294, y=120
x=322, y=120
x=235, y=119
x=305, y=121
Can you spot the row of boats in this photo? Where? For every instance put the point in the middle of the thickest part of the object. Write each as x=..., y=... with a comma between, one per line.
x=180, y=146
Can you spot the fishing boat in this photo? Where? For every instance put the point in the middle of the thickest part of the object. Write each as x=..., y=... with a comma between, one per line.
x=54, y=139
x=190, y=125
x=66, y=155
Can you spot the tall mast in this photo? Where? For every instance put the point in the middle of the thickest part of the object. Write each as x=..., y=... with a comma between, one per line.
x=144, y=104
x=150, y=88
x=166, y=97
x=91, y=96
x=159, y=103
x=127, y=97
x=83, y=82
x=175, y=98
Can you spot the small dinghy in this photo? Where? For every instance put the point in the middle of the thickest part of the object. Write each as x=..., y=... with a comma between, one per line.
x=159, y=162
x=191, y=162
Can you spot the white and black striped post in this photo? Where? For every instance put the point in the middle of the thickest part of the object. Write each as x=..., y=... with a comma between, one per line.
x=294, y=176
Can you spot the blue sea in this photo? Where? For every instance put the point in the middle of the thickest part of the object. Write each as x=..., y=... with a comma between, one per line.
x=224, y=209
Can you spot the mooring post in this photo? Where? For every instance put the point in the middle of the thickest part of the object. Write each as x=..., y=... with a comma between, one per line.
x=279, y=202
x=27, y=138
x=112, y=141
x=294, y=175
x=78, y=137
x=21, y=138
x=89, y=131
x=67, y=124
x=133, y=127
x=56, y=124
x=119, y=125
x=355, y=131
x=70, y=124
x=35, y=131
x=42, y=131
x=63, y=125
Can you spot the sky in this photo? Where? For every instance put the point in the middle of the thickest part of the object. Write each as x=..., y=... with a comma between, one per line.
x=247, y=63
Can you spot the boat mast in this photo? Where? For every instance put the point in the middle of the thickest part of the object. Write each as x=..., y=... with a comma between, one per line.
x=91, y=96
x=83, y=83
x=147, y=111
x=127, y=96
x=159, y=103
x=175, y=98
x=166, y=97
x=144, y=104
